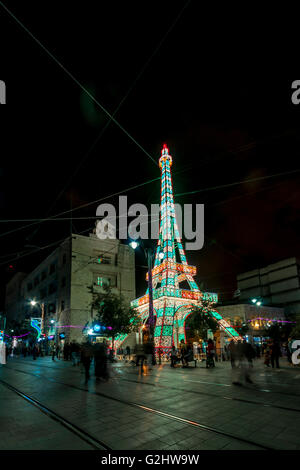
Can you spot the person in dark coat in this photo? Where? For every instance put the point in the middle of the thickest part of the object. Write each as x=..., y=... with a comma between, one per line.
x=248, y=352
x=275, y=354
x=127, y=354
x=100, y=359
x=86, y=359
x=232, y=351
x=35, y=352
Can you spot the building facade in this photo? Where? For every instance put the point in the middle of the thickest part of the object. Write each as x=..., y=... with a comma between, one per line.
x=277, y=284
x=256, y=318
x=63, y=284
x=14, y=297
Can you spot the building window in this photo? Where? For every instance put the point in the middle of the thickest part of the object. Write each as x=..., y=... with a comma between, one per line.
x=62, y=305
x=63, y=282
x=36, y=281
x=51, y=308
x=103, y=259
x=43, y=275
x=29, y=286
x=64, y=260
x=102, y=281
x=43, y=293
x=52, y=288
x=52, y=268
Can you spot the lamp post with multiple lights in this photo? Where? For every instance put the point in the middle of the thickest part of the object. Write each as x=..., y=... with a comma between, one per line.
x=149, y=252
x=257, y=302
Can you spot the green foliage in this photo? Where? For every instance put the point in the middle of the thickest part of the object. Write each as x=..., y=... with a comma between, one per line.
x=242, y=328
x=199, y=320
x=113, y=311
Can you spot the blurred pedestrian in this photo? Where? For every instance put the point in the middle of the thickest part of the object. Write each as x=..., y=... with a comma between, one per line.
x=182, y=350
x=210, y=354
x=100, y=360
x=267, y=355
x=53, y=351
x=249, y=352
x=86, y=359
x=34, y=352
x=149, y=352
x=140, y=354
x=232, y=352
x=243, y=366
x=127, y=354
x=275, y=353
x=174, y=356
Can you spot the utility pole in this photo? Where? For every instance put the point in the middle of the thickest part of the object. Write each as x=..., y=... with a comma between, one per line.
x=149, y=254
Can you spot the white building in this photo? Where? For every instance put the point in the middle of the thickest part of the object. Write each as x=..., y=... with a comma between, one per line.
x=61, y=282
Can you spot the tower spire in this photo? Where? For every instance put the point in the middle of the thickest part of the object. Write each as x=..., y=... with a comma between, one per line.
x=172, y=304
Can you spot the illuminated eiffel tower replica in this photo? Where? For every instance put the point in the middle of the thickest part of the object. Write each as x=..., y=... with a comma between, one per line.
x=172, y=305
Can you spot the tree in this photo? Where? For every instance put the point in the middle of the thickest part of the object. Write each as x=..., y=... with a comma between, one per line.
x=200, y=321
x=242, y=328
x=114, y=313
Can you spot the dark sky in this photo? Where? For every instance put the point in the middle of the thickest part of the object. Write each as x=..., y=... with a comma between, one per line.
x=223, y=117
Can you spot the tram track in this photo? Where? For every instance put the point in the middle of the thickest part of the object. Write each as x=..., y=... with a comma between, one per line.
x=144, y=408
x=206, y=393
x=242, y=400
x=82, y=434
x=199, y=381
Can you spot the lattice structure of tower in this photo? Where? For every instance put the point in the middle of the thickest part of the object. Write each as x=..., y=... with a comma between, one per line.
x=171, y=304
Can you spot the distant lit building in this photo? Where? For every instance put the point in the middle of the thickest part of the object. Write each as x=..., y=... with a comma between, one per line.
x=277, y=284
x=256, y=318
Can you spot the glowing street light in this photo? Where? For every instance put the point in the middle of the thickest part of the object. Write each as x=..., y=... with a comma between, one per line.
x=134, y=245
x=254, y=301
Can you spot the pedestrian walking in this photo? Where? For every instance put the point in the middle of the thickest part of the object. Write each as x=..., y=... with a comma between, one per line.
x=149, y=353
x=243, y=367
x=34, y=352
x=100, y=360
x=174, y=356
x=140, y=354
x=232, y=353
x=267, y=355
x=275, y=354
x=75, y=353
x=210, y=354
x=182, y=350
x=249, y=352
x=127, y=354
x=86, y=359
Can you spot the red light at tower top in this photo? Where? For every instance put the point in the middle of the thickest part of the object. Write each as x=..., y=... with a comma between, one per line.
x=165, y=150
x=165, y=155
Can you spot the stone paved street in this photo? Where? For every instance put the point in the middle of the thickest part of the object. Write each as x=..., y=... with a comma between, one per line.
x=263, y=415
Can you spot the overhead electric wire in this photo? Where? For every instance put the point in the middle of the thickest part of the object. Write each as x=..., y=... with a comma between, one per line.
x=251, y=180
x=116, y=111
x=78, y=83
x=50, y=219
x=205, y=161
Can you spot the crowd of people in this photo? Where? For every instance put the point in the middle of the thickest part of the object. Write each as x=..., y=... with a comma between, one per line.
x=84, y=354
x=241, y=355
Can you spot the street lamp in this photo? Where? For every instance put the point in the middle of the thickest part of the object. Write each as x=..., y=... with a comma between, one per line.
x=33, y=303
x=149, y=253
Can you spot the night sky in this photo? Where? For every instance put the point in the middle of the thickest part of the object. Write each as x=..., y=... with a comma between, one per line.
x=224, y=121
